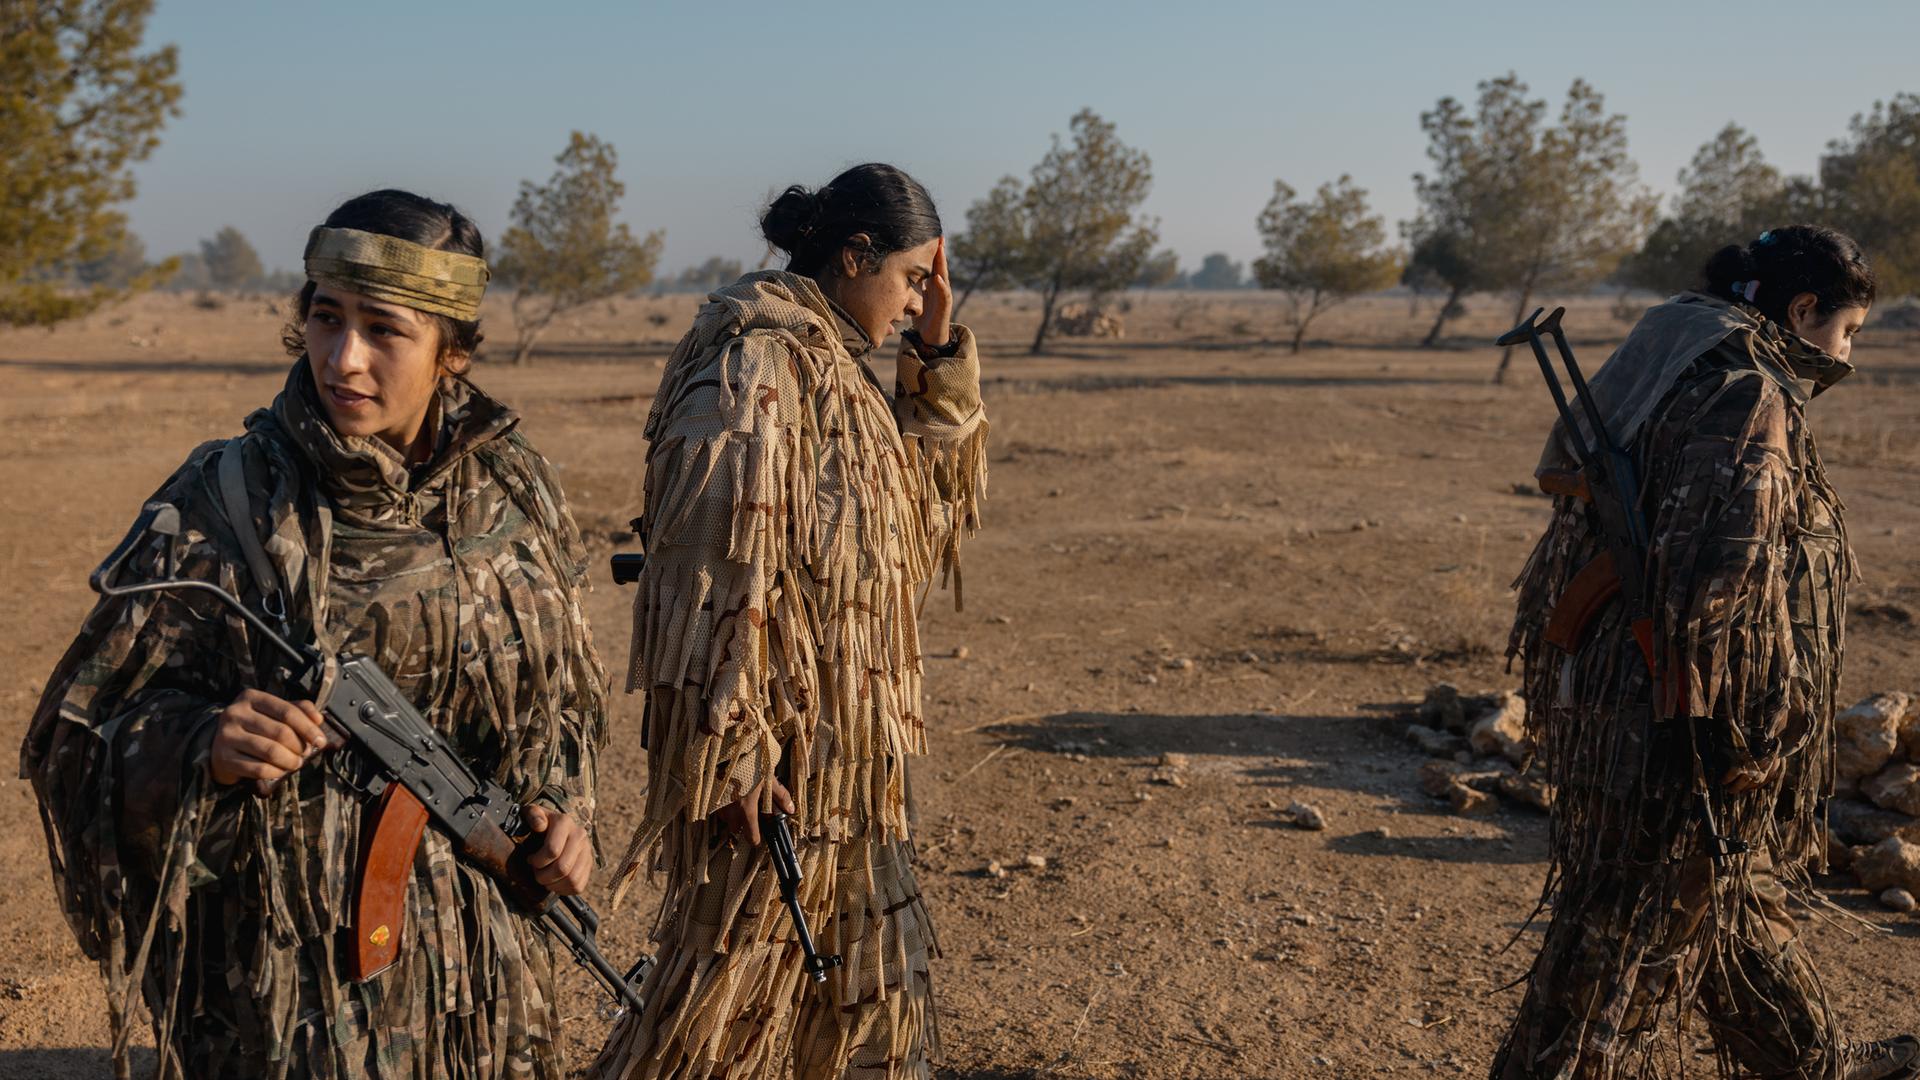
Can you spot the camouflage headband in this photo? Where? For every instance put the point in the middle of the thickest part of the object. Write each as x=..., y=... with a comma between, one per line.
x=389, y=268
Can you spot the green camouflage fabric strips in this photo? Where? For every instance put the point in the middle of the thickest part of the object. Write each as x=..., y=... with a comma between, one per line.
x=1747, y=579
x=462, y=579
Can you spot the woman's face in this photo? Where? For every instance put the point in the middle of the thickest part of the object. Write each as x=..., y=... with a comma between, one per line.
x=1831, y=334
x=375, y=366
x=887, y=297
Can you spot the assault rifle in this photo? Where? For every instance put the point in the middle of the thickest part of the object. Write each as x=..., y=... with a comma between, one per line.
x=1608, y=484
x=408, y=766
x=773, y=827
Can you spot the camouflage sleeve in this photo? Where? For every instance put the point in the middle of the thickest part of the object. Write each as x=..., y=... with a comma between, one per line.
x=937, y=404
x=1719, y=580
x=573, y=758
x=117, y=747
x=721, y=649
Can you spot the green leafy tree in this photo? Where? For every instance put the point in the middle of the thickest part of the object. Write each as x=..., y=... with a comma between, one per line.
x=1079, y=209
x=1529, y=205
x=1441, y=261
x=563, y=249
x=79, y=104
x=1870, y=187
x=1322, y=252
x=992, y=253
x=1218, y=272
x=230, y=260
x=1728, y=194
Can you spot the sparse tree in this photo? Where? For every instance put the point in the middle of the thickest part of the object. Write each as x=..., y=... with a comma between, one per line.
x=1728, y=194
x=118, y=268
x=79, y=104
x=1080, y=214
x=231, y=262
x=1526, y=205
x=992, y=253
x=1870, y=187
x=1324, y=252
x=715, y=273
x=1159, y=271
x=1217, y=272
x=564, y=249
x=1441, y=258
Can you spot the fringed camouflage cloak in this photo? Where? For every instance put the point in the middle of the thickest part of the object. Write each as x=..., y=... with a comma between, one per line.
x=1747, y=581
x=794, y=517
x=462, y=579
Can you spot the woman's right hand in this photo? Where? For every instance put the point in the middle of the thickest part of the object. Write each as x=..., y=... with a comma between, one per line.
x=262, y=738
x=743, y=818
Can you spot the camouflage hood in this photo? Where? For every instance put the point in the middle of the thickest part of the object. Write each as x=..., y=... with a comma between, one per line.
x=1665, y=343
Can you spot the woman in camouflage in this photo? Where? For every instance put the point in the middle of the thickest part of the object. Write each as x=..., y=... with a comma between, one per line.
x=1683, y=822
x=795, y=511
x=203, y=839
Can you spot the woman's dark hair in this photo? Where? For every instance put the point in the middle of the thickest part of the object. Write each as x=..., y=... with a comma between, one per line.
x=1788, y=261
x=420, y=220
x=886, y=205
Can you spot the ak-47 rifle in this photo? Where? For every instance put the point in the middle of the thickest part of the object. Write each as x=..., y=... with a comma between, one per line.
x=627, y=567
x=1607, y=482
x=416, y=776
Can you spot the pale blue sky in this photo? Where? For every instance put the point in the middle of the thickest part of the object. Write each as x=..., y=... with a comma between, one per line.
x=291, y=107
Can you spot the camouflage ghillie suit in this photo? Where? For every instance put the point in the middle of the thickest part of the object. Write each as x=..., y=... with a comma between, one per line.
x=793, y=513
x=462, y=579
x=1747, y=582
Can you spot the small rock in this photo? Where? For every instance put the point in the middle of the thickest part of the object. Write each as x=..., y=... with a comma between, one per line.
x=1897, y=788
x=1442, y=709
x=1502, y=731
x=1172, y=760
x=1306, y=816
x=1859, y=824
x=1036, y=862
x=961, y=652
x=1867, y=735
x=1381, y=833
x=1532, y=790
x=1891, y=863
x=1170, y=777
x=1053, y=493
x=1471, y=802
x=1143, y=796
x=994, y=869
x=1436, y=777
x=1062, y=802
x=1432, y=742
x=1249, y=657
x=1003, y=620
x=1460, y=518
x=1180, y=663
x=1300, y=918
x=1898, y=900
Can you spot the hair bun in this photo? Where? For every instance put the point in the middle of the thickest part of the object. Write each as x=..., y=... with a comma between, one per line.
x=1728, y=265
x=791, y=219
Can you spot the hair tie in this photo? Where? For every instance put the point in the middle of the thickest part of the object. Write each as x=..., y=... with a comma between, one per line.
x=1765, y=238
x=1746, y=290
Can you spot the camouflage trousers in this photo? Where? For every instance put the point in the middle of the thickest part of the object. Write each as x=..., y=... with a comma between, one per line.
x=1612, y=963
x=728, y=996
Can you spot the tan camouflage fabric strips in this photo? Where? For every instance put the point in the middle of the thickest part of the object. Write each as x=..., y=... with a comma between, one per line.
x=795, y=515
x=223, y=912
x=1748, y=585
x=389, y=268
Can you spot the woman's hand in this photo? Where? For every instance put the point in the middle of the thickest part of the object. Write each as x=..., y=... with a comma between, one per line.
x=743, y=817
x=564, y=863
x=262, y=738
x=936, y=307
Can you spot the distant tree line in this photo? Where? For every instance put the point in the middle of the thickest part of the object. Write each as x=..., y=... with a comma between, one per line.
x=1517, y=201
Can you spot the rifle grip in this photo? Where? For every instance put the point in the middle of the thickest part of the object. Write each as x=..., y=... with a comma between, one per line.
x=379, y=909
x=1571, y=483
x=1585, y=596
x=504, y=859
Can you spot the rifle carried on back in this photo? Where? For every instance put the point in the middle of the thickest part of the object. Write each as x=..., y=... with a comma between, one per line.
x=417, y=777
x=1607, y=482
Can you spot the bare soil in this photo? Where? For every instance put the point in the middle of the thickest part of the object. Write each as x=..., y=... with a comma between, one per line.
x=1196, y=544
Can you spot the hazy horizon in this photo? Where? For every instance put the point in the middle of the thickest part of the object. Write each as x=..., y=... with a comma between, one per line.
x=288, y=110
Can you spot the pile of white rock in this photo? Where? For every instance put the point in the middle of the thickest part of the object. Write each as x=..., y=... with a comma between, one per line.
x=1873, y=821
x=1479, y=750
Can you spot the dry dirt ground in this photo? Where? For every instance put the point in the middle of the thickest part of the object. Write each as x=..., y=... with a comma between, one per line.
x=1196, y=544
